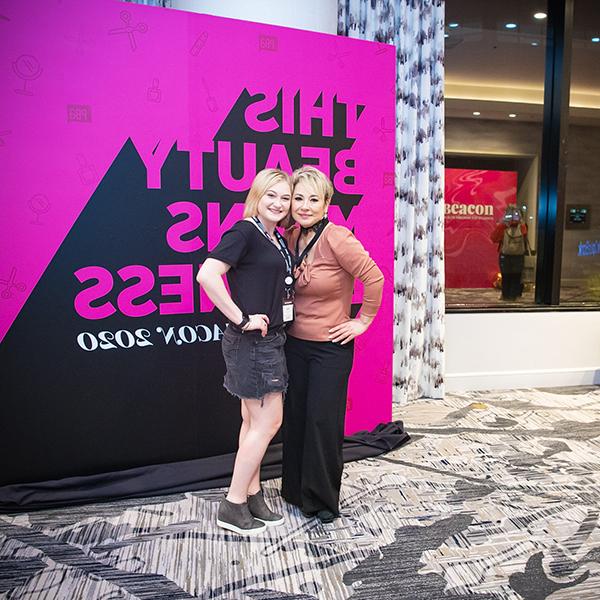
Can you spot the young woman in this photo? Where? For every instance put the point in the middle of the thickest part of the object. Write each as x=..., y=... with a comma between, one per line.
x=259, y=271
x=319, y=347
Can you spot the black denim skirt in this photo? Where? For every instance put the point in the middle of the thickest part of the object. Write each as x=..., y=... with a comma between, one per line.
x=255, y=365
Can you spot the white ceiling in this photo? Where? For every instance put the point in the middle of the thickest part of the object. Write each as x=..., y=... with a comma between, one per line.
x=497, y=71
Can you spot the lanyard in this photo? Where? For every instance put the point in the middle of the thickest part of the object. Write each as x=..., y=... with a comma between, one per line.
x=283, y=250
x=318, y=228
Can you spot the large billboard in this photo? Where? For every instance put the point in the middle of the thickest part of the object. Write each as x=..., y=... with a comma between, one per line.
x=130, y=137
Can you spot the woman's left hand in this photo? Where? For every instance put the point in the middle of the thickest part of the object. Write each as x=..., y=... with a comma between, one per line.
x=346, y=332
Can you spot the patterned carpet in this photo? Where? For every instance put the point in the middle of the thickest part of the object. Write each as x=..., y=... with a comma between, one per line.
x=497, y=496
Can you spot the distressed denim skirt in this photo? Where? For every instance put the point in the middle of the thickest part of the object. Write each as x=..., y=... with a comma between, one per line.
x=255, y=365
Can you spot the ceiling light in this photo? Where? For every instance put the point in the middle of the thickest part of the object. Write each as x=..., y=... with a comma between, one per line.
x=476, y=113
x=446, y=35
x=540, y=15
x=596, y=39
x=453, y=25
x=510, y=25
x=535, y=43
x=512, y=115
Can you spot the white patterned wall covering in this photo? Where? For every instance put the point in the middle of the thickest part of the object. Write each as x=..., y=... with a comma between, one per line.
x=416, y=28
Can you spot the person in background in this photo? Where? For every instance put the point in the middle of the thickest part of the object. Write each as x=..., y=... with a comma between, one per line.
x=320, y=347
x=511, y=236
x=258, y=265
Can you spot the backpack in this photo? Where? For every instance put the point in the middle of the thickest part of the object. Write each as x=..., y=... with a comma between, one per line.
x=513, y=242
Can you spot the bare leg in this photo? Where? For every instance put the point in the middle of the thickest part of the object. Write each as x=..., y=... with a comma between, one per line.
x=262, y=426
x=254, y=486
x=245, y=423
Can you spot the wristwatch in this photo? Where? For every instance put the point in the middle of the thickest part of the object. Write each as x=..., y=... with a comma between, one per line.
x=245, y=320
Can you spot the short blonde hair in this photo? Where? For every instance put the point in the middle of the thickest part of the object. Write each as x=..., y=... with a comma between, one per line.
x=264, y=180
x=316, y=179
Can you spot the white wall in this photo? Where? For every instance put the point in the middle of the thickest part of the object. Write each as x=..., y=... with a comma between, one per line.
x=516, y=350
x=313, y=15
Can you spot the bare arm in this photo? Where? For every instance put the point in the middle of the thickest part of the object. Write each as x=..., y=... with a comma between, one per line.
x=210, y=277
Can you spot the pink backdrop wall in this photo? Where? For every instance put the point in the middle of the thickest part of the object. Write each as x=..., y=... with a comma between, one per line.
x=80, y=78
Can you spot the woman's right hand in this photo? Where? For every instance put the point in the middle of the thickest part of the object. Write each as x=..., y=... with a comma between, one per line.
x=257, y=322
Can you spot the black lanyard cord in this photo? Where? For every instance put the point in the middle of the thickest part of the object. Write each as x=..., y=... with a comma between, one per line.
x=318, y=229
x=282, y=247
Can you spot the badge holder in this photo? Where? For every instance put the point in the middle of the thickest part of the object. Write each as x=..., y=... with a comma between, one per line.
x=288, y=300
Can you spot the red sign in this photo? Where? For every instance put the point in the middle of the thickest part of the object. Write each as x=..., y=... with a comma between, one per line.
x=475, y=202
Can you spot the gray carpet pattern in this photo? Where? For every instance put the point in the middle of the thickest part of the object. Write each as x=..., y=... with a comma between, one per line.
x=497, y=496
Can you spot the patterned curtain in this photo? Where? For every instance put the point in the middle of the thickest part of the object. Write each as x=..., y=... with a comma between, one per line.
x=163, y=3
x=416, y=28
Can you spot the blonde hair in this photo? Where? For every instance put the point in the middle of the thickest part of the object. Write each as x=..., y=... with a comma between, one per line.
x=316, y=179
x=264, y=180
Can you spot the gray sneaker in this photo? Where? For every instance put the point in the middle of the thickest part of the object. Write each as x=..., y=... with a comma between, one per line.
x=259, y=510
x=237, y=517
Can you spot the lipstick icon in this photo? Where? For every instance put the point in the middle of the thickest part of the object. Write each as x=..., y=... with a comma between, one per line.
x=199, y=44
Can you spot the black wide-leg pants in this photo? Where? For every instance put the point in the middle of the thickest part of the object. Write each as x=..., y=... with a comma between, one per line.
x=313, y=423
x=511, y=268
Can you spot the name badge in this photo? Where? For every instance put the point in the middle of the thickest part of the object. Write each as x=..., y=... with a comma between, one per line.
x=288, y=311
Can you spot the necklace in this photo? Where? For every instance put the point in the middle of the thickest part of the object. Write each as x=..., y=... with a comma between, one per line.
x=318, y=230
x=316, y=227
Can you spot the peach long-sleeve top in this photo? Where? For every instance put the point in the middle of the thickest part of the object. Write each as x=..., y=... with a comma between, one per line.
x=325, y=285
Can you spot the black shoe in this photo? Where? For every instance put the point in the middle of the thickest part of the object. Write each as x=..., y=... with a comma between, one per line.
x=308, y=515
x=259, y=510
x=326, y=516
x=237, y=517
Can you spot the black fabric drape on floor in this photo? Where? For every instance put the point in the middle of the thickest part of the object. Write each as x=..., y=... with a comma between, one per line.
x=171, y=478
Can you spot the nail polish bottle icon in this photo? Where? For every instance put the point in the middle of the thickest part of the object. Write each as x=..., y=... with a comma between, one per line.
x=211, y=101
x=86, y=171
x=154, y=93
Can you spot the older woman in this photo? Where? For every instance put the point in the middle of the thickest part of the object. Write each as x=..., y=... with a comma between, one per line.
x=259, y=270
x=319, y=347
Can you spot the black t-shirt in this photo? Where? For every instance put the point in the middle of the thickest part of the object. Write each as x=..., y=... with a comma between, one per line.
x=257, y=275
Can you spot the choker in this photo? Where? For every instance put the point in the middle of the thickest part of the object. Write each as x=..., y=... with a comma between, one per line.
x=317, y=227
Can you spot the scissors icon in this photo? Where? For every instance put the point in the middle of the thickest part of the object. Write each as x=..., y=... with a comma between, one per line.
x=129, y=29
x=10, y=283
